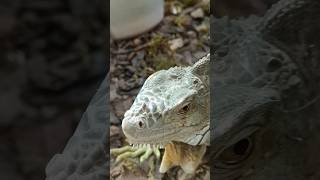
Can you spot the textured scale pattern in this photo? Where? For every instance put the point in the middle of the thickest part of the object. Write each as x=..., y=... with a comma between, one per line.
x=171, y=104
x=262, y=81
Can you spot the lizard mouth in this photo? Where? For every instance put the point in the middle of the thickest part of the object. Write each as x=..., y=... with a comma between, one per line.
x=147, y=143
x=153, y=146
x=148, y=137
x=152, y=140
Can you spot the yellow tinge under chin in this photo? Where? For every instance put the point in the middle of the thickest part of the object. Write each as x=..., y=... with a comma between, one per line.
x=180, y=154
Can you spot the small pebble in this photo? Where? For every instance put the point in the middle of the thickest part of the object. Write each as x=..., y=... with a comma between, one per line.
x=176, y=44
x=192, y=34
x=198, y=13
x=137, y=41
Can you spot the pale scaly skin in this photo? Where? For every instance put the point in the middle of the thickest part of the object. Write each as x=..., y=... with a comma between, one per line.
x=171, y=111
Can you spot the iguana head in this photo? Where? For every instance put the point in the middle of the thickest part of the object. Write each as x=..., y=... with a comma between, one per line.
x=172, y=105
x=252, y=71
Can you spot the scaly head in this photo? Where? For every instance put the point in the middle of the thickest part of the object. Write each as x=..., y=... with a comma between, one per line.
x=255, y=61
x=172, y=105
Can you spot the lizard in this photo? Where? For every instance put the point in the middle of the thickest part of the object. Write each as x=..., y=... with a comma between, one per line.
x=171, y=111
x=252, y=73
x=264, y=86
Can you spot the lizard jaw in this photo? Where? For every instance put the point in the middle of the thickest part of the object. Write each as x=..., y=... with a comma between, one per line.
x=158, y=146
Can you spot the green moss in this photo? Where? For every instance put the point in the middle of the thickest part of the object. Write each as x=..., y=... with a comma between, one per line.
x=187, y=3
x=181, y=21
x=157, y=43
x=162, y=62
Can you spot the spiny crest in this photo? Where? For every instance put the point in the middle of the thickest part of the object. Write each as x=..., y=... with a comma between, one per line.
x=161, y=78
x=201, y=67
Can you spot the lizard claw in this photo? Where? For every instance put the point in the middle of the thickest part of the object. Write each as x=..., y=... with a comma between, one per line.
x=146, y=155
x=156, y=151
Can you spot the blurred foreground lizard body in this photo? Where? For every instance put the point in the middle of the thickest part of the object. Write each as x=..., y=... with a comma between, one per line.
x=171, y=111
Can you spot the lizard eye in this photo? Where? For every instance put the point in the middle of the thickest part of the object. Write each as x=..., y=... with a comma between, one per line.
x=237, y=152
x=184, y=109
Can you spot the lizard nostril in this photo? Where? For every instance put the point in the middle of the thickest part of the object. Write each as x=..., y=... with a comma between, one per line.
x=140, y=124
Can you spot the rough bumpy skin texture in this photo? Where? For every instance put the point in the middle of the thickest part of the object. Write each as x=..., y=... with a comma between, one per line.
x=84, y=157
x=265, y=87
x=172, y=105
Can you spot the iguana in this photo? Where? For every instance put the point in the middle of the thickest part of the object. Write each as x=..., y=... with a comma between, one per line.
x=254, y=74
x=172, y=110
x=264, y=88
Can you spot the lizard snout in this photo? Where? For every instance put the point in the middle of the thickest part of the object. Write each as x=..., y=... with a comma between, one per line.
x=131, y=125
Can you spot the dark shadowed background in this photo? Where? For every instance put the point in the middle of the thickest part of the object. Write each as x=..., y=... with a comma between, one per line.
x=52, y=61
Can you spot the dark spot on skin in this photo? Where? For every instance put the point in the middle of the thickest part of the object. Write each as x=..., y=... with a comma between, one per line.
x=168, y=96
x=157, y=115
x=146, y=99
x=174, y=76
x=145, y=108
x=156, y=90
